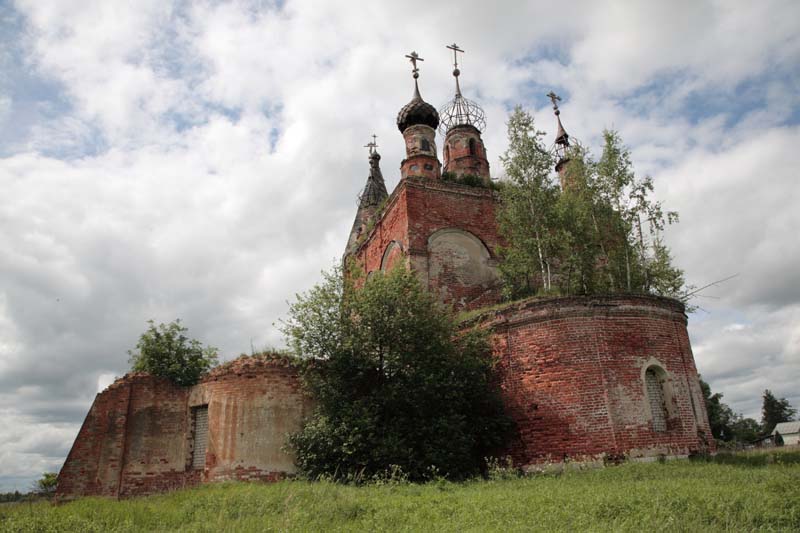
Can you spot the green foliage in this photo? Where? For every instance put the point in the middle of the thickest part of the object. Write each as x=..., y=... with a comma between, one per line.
x=46, y=485
x=470, y=180
x=527, y=219
x=726, y=425
x=15, y=496
x=775, y=411
x=394, y=382
x=600, y=234
x=675, y=496
x=166, y=351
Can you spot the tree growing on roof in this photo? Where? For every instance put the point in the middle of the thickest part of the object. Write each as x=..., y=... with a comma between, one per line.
x=165, y=350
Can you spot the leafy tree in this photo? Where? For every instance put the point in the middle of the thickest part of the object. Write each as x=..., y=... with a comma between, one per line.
x=720, y=417
x=46, y=485
x=775, y=411
x=745, y=430
x=396, y=384
x=726, y=425
x=166, y=351
x=601, y=233
x=527, y=217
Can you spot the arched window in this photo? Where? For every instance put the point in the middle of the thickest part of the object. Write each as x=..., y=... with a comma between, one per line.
x=424, y=145
x=446, y=153
x=653, y=379
x=472, y=147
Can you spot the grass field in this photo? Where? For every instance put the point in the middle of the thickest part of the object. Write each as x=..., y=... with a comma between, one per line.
x=744, y=493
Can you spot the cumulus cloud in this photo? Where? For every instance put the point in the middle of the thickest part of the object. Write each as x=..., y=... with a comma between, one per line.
x=202, y=161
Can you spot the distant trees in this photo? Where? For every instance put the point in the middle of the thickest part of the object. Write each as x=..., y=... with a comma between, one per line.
x=775, y=411
x=165, y=350
x=601, y=233
x=728, y=426
x=397, y=385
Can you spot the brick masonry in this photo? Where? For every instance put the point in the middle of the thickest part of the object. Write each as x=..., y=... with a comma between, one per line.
x=419, y=208
x=137, y=437
x=572, y=374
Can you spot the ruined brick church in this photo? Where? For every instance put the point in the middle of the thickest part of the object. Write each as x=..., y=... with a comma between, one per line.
x=584, y=377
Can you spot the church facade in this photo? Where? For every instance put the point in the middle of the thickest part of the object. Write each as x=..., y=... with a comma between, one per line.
x=584, y=378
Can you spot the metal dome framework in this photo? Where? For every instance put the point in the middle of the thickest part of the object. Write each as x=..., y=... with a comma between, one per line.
x=461, y=111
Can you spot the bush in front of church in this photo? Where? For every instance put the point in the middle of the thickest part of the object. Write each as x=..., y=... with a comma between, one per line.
x=398, y=388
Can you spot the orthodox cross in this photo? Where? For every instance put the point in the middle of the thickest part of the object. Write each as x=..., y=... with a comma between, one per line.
x=454, y=47
x=555, y=99
x=372, y=145
x=414, y=57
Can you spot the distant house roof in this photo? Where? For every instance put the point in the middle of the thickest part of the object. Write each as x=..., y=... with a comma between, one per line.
x=787, y=428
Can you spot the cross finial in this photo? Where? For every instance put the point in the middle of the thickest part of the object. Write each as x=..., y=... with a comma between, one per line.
x=454, y=47
x=555, y=99
x=372, y=145
x=414, y=57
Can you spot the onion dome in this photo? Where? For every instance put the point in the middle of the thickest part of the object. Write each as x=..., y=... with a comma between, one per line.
x=417, y=111
x=460, y=111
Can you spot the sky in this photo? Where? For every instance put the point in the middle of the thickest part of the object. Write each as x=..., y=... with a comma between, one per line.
x=202, y=160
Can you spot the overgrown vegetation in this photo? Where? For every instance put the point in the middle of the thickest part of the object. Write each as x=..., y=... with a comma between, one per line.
x=599, y=233
x=165, y=350
x=397, y=387
x=470, y=180
x=673, y=496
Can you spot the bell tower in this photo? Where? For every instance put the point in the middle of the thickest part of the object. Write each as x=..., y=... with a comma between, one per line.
x=561, y=145
x=417, y=121
x=462, y=123
x=443, y=230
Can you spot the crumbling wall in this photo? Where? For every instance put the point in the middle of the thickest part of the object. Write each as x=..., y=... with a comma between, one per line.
x=572, y=374
x=253, y=405
x=137, y=437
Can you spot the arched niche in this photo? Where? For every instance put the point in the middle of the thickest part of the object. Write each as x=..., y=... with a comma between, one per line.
x=460, y=266
x=658, y=395
x=391, y=255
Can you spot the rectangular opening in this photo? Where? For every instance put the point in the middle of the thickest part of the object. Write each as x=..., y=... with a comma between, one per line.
x=200, y=431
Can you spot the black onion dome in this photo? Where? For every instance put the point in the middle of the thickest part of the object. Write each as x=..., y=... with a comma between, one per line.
x=417, y=111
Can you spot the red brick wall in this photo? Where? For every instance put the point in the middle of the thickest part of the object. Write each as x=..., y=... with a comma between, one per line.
x=572, y=376
x=420, y=207
x=457, y=156
x=136, y=438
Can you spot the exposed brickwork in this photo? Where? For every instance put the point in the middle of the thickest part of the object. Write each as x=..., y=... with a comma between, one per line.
x=464, y=153
x=137, y=437
x=573, y=377
x=416, y=210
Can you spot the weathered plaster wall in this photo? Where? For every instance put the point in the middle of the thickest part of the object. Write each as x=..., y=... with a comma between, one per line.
x=137, y=437
x=251, y=410
x=572, y=375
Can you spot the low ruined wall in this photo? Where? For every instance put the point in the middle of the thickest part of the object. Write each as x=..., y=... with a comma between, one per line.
x=138, y=435
x=573, y=378
x=252, y=407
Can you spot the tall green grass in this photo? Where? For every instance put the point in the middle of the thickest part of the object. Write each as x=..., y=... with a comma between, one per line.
x=673, y=496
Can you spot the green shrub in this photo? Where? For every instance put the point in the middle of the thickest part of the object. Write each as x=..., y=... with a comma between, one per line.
x=398, y=388
x=166, y=351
